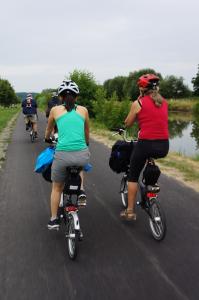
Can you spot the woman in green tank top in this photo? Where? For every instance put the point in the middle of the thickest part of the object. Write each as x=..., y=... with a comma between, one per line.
x=72, y=148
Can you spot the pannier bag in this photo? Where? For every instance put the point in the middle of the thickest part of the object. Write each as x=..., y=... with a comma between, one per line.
x=46, y=173
x=73, y=184
x=44, y=159
x=151, y=174
x=120, y=156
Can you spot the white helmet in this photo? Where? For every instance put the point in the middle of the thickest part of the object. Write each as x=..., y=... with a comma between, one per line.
x=29, y=96
x=54, y=94
x=68, y=85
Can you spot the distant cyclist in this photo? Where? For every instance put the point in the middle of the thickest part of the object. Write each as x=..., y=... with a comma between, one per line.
x=29, y=108
x=54, y=101
x=151, y=113
x=72, y=148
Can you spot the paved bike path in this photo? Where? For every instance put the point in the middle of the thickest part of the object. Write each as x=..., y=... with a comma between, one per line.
x=115, y=260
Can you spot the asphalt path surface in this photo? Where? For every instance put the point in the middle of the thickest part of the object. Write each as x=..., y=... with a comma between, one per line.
x=115, y=260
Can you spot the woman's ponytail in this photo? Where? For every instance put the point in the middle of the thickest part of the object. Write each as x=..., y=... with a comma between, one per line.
x=68, y=100
x=155, y=95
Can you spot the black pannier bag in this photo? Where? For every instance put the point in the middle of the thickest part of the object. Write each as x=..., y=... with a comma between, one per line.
x=120, y=156
x=73, y=183
x=47, y=173
x=151, y=174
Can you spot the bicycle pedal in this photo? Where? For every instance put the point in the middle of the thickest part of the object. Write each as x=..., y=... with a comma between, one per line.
x=70, y=236
x=81, y=236
x=54, y=229
x=82, y=203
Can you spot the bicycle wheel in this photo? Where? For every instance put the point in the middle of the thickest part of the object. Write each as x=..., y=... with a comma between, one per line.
x=157, y=221
x=124, y=191
x=72, y=239
x=32, y=136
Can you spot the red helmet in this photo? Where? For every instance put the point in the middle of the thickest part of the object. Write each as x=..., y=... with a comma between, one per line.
x=148, y=81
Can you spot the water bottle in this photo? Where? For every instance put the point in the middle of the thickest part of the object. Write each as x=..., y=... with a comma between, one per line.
x=87, y=167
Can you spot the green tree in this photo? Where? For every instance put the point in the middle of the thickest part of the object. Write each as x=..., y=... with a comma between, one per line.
x=195, y=82
x=99, y=103
x=7, y=93
x=115, y=85
x=87, y=86
x=130, y=86
x=43, y=98
x=174, y=87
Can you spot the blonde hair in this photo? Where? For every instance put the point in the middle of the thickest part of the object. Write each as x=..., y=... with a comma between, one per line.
x=154, y=94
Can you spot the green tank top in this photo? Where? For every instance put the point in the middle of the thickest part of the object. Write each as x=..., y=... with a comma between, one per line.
x=71, y=132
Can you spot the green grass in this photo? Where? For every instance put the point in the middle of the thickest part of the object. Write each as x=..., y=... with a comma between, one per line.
x=6, y=115
x=196, y=158
x=184, y=105
x=187, y=166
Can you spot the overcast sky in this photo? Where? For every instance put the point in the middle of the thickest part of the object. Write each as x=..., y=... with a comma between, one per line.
x=41, y=41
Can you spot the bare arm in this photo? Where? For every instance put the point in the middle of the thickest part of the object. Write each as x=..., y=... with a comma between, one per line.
x=50, y=125
x=87, y=127
x=130, y=119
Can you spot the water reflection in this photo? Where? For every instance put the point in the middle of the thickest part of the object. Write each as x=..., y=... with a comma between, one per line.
x=184, y=133
x=195, y=130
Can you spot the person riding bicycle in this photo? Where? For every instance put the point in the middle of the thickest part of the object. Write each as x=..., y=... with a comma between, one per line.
x=29, y=108
x=54, y=101
x=151, y=112
x=72, y=148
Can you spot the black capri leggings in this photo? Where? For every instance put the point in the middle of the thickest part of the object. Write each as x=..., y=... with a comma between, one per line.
x=145, y=149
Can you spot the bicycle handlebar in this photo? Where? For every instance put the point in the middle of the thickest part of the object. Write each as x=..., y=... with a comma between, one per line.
x=123, y=132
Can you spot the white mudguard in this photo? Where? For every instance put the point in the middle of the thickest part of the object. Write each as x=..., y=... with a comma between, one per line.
x=75, y=219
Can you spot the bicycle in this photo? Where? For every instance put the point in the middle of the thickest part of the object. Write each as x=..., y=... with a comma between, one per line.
x=149, y=197
x=32, y=133
x=69, y=206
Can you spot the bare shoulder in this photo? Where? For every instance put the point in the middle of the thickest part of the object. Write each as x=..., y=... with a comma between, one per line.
x=82, y=109
x=57, y=110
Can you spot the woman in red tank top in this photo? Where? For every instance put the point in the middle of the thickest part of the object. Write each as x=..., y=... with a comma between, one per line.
x=151, y=113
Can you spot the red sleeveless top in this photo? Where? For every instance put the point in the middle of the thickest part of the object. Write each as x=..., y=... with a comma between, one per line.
x=153, y=120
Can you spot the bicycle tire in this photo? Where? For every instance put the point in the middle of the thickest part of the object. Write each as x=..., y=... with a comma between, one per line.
x=157, y=220
x=32, y=136
x=124, y=191
x=72, y=240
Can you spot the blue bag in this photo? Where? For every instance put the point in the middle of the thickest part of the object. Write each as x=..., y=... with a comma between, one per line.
x=44, y=159
x=88, y=167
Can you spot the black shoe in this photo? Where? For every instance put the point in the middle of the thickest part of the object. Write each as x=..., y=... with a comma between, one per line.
x=53, y=224
x=82, y=198
x=27, y=127
x=36, y=135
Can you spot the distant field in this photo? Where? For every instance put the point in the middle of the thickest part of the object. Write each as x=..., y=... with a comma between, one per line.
x=184, y=105
x=6, y=115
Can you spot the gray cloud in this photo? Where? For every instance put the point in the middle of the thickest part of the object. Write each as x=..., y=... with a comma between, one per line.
x=41, y=41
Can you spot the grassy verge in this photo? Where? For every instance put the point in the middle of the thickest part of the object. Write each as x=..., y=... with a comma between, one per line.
x=187, y=167
x=179, y=166
x=183, y=105
x=6, y=115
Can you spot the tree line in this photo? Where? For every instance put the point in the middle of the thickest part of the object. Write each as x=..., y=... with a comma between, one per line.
x=109, y=103
x=119, y=88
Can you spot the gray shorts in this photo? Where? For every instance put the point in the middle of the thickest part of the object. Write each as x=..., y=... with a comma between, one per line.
x=63, y=159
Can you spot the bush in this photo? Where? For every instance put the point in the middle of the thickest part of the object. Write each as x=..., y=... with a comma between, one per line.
x=7, y=93
x=196, y=109
x=111, y=113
